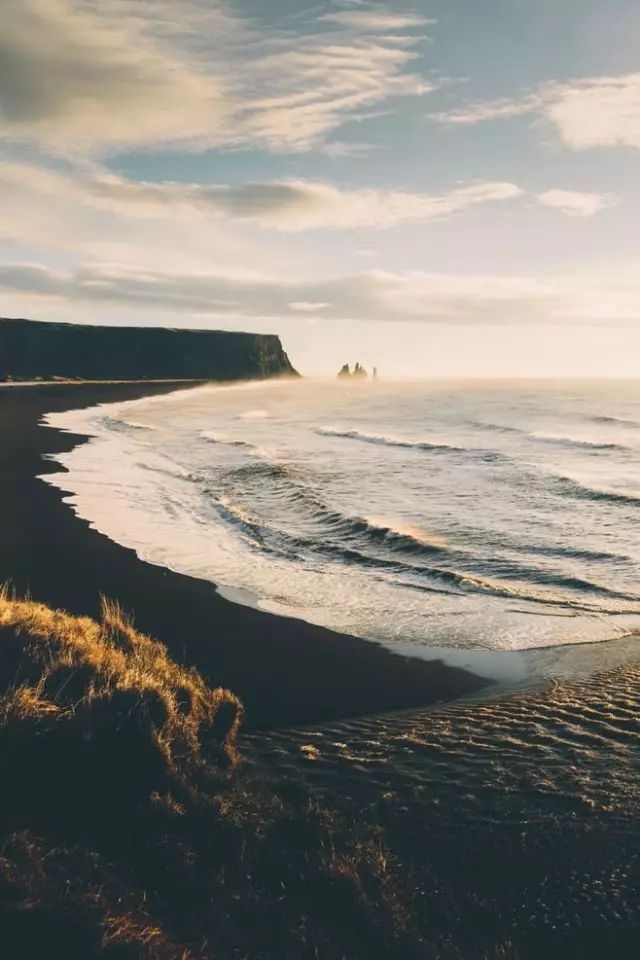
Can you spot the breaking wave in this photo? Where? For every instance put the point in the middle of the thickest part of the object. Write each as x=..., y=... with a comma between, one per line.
x=389, y=441
x=581, y=444
x=428, y=446
x=620, y=421
x=212, y=437
x=576, y=488
x=309, y=524
x=498, y=427
x=126, y=426
x=561, y=441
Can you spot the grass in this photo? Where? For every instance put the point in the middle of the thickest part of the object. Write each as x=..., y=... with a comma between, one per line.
x=56, y=668
x=130, y=829
x=127, y=831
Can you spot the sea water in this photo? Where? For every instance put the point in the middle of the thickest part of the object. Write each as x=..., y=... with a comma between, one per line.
x=495, y=516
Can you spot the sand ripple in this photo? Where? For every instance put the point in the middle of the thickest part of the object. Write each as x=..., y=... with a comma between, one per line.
x=526, y=809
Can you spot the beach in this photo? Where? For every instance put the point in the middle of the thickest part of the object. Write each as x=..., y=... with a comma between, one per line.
x=399, y=806
x=519, y=814
x=286, y=671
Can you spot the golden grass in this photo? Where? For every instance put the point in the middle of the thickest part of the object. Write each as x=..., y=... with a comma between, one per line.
x=64, y=663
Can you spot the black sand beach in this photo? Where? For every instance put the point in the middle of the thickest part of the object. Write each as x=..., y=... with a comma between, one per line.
x=505, y=829
x=519, y=814
x=285, y=671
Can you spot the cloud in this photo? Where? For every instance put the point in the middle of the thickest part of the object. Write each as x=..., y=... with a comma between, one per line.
x=587, y=113
x=340, y=148
x=86, y=76
x=576, y=204
x=74, y=78
x=308, y=306
x=600, y=112
x=370, y=19
x=311, y=89
x=501, y=109
x=288, y=205
x=374, y=295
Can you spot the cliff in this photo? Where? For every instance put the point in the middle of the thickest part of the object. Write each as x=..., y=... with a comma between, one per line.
x=33, y=350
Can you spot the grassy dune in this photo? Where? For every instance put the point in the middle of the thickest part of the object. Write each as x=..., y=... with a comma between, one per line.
x=128, y=828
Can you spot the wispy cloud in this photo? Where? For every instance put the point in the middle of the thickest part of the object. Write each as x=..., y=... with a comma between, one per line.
x=288, y=205
x=375, y=295
x=84, y=76
x=376, y=19
x=589, y=112
x=501, y=109
x=576, y=204
x=309, y=89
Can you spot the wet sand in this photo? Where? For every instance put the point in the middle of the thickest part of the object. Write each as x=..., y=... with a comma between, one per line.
x=285, y=670
x=519, y=814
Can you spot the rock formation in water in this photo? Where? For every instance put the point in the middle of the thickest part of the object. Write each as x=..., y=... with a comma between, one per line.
x=33, y=350
x=359, y=372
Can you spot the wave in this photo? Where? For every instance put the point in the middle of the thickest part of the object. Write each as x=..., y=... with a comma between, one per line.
x=475, y=583
x=323, y=524
x=577, y=553
x=279, y=539
x=309, y=508
x=428, y=446
x=576, y=488
x=499, y=541
x=404, y=546
x=577, y=584
x=211, y=437
x=561, y=441
x=396, y=538
x=580, y=444
x=170, y=469
x=387, y=441
x=302, y=522
x=127, y=426
x=416, y=533
x=498, y=427
x=280, y=514
x=256, y=532
x=239, y=517
x=461, y=582
x=620, y=421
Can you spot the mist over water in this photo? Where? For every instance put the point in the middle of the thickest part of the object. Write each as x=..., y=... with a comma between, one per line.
x=499, y=516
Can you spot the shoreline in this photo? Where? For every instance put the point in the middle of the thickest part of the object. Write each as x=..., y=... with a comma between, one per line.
x=287, y=671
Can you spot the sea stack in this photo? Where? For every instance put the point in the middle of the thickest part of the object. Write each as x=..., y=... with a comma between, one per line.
x=359, y=372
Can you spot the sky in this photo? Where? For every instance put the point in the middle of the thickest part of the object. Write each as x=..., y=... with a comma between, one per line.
x=442, y=188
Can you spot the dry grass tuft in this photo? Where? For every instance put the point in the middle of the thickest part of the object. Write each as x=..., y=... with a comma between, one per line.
x=99, y=720
x=120, y=824
x=54, y=666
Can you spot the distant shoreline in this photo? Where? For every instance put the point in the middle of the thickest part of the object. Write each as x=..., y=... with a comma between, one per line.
x=286, y=671
x=62, y=382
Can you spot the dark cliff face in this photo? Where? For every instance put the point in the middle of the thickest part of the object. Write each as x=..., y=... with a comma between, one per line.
x=30, y=350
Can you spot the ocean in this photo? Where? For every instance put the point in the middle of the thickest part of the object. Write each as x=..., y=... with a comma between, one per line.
x=457, y=516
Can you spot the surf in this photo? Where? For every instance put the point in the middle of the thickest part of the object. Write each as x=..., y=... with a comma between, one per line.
x=383, y=513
